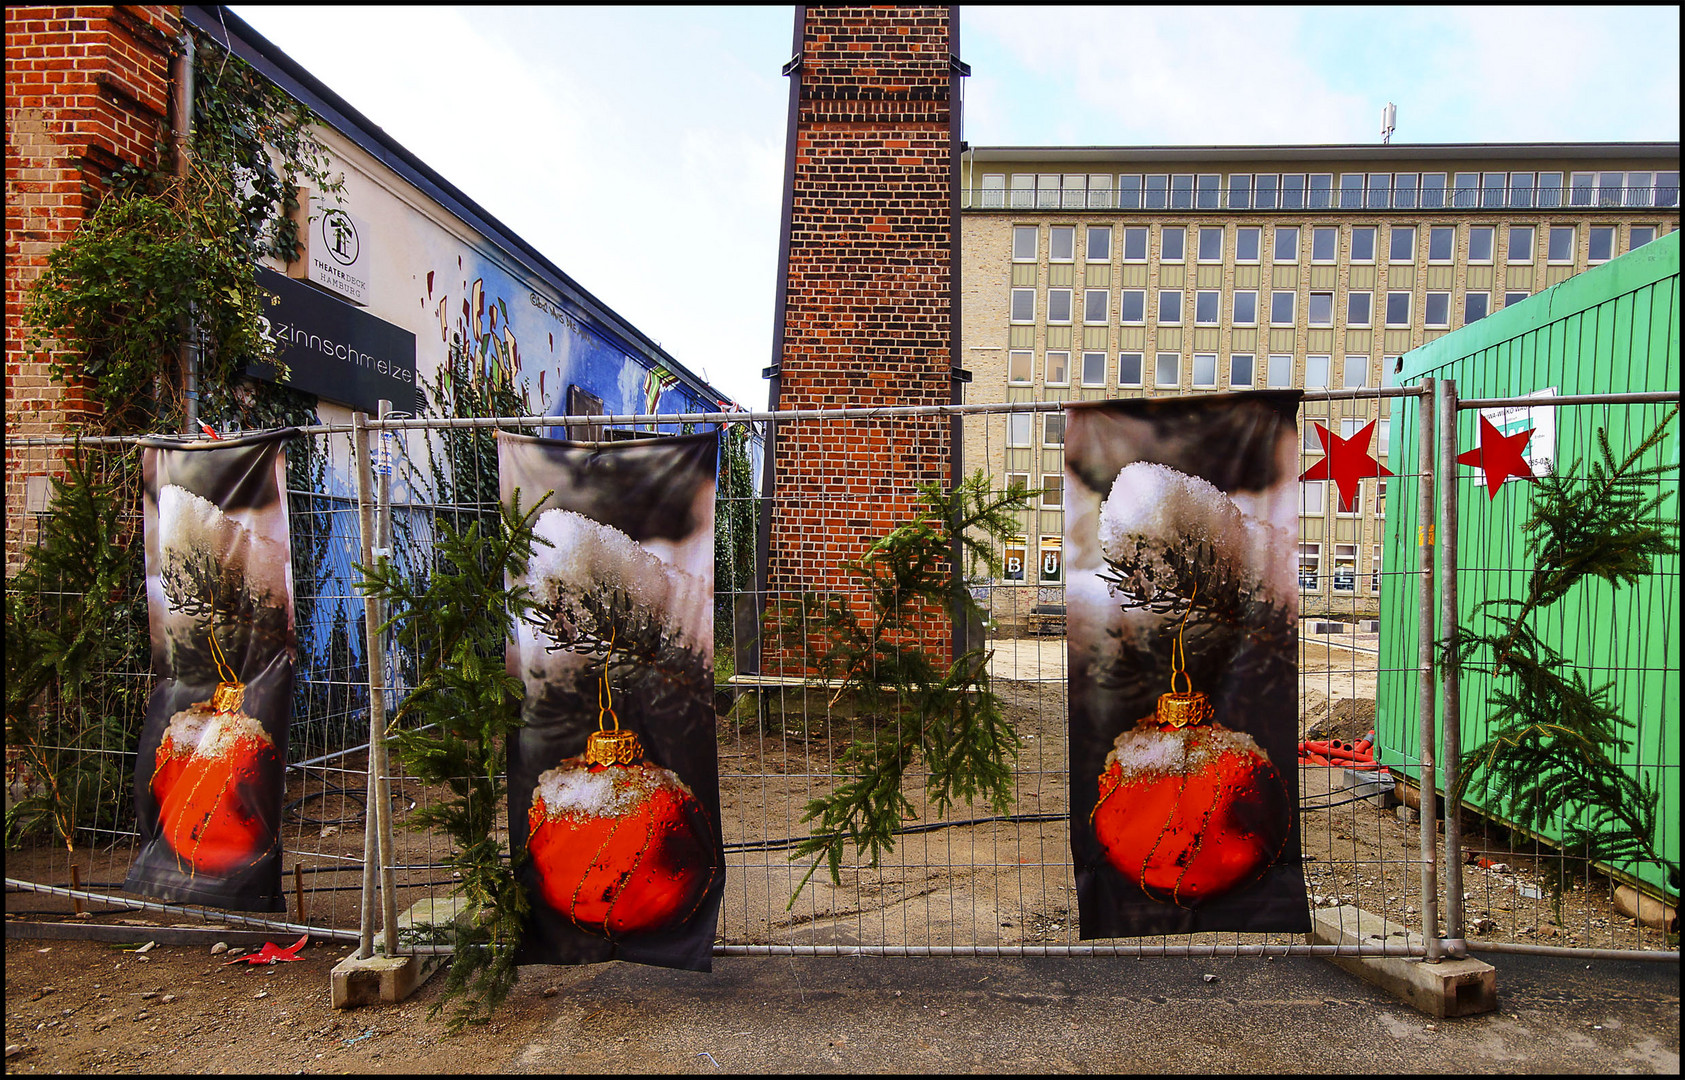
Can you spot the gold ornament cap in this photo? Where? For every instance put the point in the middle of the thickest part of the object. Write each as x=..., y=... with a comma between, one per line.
x=618, y=747
x=1184, y=710
x=228, y=697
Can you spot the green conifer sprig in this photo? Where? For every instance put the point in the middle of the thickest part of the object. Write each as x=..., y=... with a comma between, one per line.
x=919, y=707
x=1554, y=736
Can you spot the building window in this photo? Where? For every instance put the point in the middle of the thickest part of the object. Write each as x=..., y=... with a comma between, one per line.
x=1520, y=243
x=1383, y=444
x=1310, y=555
x=1052, y=557
x=1208, y=306
x=1135, y=244
x=1293, y=191
x=1345, y=568
x=994, y=191
x=1436, y=309
x=1061, y=243
x=1433, y=191
x=1280, y=371
x=1316, y=372
x=1205, y=370
x=1053, y=429
x=1058, y=305
x=1020, y=365
x=1100, y=192
x=1246, y=244
x=1169, y=307
x=1128, y=192
x=1287, y=243
x=1550, y=189
x=1492, y=190
x=1404, y=191
x=1602, y=245
x=1168, y=372
x=1580, y=188
x=1363, y=244
x=1611, y=189
x=1561, y=249
x=1057, y=369
x=1467, y=193
x=1325, y=244
x=1181, y=191
x=1356, y=372
x=1265, y=187
x=1132, y=306
x=1018, y=429
x=1024, y=243
x=1398, y=309
x=1521, y=190
x=1639, y=235
x=1667, y=189
x=1049, y=188
x=1023, y=305
x=1211, y=244
x=1480, y=243
x=1381, y=488
x=1129, y=369
x=1240, y=369
x=1158, y=191
x=1281, y=308
x=1099, y=246
x=1402, y=248
x=1321, y=309
x=1023, y=191
x=1052, y=491
x=1094, y=369
x=1358, y=308
x=1240, y=191
x=1094, y=306
x=1351, y=191
x=1312, y=442
x=1442, y=243
x=1375, y=565
x=1380, y=186
x=1475, y=306
x=1210, y=191
x=1172, y=244
x=1320, y=193
x=1515, y=298
x=1245, y=307
x=1014, y=548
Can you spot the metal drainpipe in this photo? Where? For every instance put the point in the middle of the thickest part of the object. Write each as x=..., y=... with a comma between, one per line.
x=1449, y=686
x=181, y=134
x=1425, y=451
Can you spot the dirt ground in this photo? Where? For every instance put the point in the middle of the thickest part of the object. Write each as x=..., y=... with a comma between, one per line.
x=84, y=1006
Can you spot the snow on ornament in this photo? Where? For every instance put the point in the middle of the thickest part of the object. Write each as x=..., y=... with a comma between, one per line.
x=208, y=769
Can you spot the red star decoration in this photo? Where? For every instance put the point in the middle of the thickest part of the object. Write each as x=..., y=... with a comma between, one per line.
x=272, y=953
x=1345, y=461
x=1500, y=456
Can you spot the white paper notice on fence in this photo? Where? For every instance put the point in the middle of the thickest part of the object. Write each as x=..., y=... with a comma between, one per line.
x=1541, y=448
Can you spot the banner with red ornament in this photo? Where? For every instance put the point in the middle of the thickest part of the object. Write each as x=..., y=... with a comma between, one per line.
x=1181, y=531
x=613, y=775
x=219, y=590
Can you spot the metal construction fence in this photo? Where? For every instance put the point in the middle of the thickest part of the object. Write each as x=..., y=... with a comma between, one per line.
x=969, y=882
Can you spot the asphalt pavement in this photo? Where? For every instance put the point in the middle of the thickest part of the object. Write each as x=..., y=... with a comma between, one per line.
x=1094, y=1015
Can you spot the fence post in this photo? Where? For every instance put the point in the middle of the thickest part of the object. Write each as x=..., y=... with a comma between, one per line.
x=371, y=842
x=1450, y=684
x=1425, y=453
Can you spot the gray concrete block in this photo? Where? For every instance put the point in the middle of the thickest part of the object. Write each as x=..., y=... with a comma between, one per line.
x=1446, y=989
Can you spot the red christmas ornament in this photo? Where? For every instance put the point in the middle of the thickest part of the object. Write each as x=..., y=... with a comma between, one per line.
x=1188, y=808
x=621, y=845
x=1345, y=461
x=1500, y=456
x=209, y=763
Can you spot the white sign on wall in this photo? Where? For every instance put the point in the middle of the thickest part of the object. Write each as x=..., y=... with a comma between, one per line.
x=337, y=252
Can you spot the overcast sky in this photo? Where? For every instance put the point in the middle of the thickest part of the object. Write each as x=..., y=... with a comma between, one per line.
x=642, y=149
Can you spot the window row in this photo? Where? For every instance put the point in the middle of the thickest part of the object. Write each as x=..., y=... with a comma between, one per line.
x=1396, y=307
x=1520, y=243
x=1095, y=369
x=1343, y=579
x=1326, y=191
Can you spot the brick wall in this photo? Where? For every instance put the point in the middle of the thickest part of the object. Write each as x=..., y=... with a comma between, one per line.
x=867, y=312
x=86, y=89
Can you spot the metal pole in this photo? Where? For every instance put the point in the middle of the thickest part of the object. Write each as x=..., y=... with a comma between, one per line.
x=181, y=135
x=1450, y=684
x=1425, y=450
x=365, y=527
x=377, y=735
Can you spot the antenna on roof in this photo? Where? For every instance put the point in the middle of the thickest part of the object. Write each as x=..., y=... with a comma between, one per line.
x=1388, y=116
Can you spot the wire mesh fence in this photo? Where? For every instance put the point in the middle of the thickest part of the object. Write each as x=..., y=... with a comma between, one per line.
x=970, y=880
